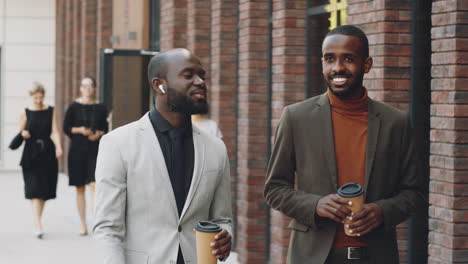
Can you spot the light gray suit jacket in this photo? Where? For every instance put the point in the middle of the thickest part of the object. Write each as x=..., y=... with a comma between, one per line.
x=136, y=219
x=304, y=149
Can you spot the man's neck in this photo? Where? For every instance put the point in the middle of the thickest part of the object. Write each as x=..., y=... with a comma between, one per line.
x=175, y=119
x=358, y=93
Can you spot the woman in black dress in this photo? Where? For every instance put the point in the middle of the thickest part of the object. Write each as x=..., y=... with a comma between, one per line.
x=40, y=153
x=85, y=123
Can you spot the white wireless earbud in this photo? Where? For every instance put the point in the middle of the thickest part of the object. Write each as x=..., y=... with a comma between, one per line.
x=161, y=87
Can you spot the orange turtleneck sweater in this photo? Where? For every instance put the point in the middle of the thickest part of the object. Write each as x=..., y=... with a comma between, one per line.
x=349, y=119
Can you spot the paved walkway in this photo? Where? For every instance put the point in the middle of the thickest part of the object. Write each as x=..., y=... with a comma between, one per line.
x=61, y=243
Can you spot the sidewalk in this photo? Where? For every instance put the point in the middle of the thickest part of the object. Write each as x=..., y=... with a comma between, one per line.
x=61, y=243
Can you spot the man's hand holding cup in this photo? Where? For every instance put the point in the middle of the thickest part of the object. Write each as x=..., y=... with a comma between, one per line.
x=222, y=245
x=333, y=207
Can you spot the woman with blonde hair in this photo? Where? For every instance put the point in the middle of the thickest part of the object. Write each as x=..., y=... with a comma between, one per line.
x=85, y=123
x=38, y=127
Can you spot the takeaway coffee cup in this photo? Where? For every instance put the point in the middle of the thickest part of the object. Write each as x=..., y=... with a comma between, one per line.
x=205, y=233
x=353, y=192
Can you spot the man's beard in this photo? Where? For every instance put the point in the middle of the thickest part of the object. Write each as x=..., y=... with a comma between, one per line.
x=186, y=105
x=344, y=94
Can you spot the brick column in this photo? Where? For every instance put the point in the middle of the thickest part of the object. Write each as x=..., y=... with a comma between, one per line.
x=64, y=83
x=198, y=29
x=388, y=27
x=223, y=78
x=103, y=32
x=67, y=85
x=199, y=33
x=76, y=48
x=173, y=24
x=289, y=49
x=88, y=38
x=59, y=58
x=252, y=126
x=448, y=211
x=60, y=11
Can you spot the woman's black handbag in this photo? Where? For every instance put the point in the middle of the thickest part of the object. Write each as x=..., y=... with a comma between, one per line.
x=16, y=142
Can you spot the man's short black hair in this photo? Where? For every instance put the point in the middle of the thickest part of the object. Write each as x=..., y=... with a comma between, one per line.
x=157, y=67
x=349, y=30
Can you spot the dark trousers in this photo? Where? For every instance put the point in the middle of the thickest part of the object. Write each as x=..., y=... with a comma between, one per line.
x=180, y=257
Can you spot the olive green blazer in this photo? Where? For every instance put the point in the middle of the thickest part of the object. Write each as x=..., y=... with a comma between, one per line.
x=304, y=148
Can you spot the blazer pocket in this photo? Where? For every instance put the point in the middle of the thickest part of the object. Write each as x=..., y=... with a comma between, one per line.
x=298, y=226
x=135, y=257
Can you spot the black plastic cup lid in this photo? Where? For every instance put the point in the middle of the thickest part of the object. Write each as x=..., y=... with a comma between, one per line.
x=350, y=189
x=208, y=227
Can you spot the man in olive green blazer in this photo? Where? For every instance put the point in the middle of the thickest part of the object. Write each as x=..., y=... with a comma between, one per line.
x=304, y=156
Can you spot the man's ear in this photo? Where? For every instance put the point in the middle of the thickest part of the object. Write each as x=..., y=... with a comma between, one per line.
x=368, y=64
x=155, y=82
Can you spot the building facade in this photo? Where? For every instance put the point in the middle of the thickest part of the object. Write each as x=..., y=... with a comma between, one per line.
x=27, y=52
x=262, y=55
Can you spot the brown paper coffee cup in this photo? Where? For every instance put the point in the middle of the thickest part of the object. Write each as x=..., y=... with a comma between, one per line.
x=205, y=233
x=352, y=192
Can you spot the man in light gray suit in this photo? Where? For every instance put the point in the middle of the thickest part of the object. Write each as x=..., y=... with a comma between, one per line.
x=157, y=177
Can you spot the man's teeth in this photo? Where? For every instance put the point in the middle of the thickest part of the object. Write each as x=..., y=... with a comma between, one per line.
x=339, y=79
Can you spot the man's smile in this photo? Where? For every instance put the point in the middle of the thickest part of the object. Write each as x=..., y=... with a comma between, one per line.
x=199, y=94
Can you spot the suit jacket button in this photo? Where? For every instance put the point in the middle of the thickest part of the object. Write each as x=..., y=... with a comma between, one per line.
x=180, y=229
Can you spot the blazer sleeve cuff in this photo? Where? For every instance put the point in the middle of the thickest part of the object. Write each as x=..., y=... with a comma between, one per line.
x=228, y=228
x=386, y=207
x=310, y=218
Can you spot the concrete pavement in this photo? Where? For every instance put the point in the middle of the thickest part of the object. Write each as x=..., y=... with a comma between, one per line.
x=61, y=243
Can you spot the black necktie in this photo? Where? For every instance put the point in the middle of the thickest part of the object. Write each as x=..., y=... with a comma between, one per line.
x=178, y=166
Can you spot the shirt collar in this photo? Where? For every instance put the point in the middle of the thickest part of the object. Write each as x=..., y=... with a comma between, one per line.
x=162, y=125
x=349, y=105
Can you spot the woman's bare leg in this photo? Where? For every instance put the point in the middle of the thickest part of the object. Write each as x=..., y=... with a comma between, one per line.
x=92, y=188
x=38, y=208
x=81, y=204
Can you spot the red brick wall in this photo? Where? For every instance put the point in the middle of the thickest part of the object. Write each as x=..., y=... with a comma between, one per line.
x=289, y=59
x=198, y=29
x=199, y=33
x=68, y=40
x=103, y=31
x=88, y=38
x=173, y=24
x=59, y=63
x=252, y=125
x=223, y=77
x=448, y=196
x=388, y=27
x=82, y=27
x=76, y=47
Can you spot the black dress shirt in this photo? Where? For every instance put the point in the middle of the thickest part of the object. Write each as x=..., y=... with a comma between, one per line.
x=163, y=129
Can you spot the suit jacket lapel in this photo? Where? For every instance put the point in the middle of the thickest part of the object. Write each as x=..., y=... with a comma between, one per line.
x=372, y=139
x=199, y=162
x=326, y=136
x=157, y=158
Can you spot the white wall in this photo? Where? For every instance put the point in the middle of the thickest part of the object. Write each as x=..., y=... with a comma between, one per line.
x=27, y=42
